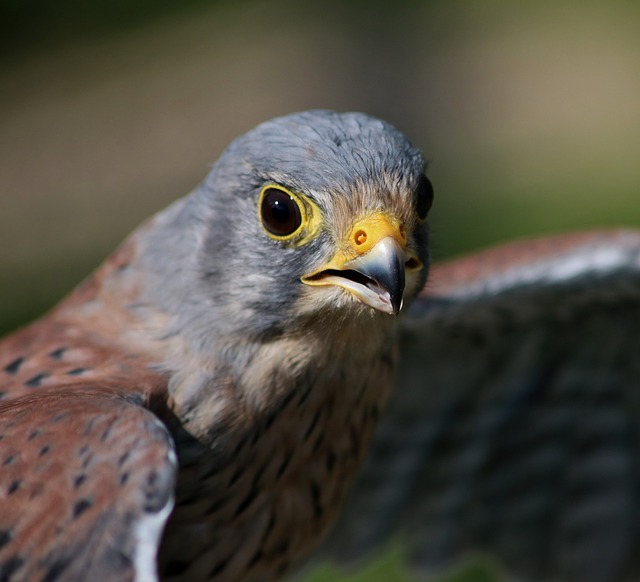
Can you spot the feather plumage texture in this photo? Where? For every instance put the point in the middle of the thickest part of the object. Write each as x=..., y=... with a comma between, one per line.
x=512, y=428
x=202, y=319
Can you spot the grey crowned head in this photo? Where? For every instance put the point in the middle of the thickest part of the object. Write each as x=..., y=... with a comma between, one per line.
x=315, y=215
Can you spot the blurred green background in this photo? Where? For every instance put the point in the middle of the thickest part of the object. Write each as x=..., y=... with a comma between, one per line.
x=528, y=112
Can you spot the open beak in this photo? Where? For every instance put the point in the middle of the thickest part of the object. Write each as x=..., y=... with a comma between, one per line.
x=371, y=264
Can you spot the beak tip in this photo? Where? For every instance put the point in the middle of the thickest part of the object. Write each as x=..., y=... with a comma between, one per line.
x=376, y=278
x=397, y=306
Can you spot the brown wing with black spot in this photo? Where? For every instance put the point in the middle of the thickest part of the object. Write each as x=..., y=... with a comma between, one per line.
x=86, y=483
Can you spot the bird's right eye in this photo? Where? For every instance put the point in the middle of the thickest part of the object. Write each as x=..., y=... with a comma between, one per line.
x=280, y=212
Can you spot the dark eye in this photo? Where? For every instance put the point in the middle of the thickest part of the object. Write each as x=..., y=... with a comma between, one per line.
x=279, y=212
x=424, y=197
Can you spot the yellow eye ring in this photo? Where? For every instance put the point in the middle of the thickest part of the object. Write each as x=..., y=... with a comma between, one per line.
x=287, y=216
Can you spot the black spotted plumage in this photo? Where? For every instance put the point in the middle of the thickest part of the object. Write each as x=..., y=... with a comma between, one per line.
x=211, y=392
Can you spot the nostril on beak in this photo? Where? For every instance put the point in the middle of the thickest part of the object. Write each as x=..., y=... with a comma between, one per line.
x=360, y=237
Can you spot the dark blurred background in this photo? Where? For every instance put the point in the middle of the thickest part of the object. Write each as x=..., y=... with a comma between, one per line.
x=110, y=109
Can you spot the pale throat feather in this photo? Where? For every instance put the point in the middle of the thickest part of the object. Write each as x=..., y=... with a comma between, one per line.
x=302, y=411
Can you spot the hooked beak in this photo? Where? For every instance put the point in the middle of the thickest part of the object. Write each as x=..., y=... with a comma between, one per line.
x=372, y=264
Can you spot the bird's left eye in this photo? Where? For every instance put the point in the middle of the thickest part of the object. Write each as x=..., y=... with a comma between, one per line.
x=280, y=212
x=424, y=197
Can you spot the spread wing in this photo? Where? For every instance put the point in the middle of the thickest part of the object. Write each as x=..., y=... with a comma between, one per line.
x=86, y=484
x=515, y=428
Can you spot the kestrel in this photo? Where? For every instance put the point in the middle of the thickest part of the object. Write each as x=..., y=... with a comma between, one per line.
x=265, y=354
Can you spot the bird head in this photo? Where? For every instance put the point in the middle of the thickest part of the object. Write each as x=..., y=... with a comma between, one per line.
x=313, y=215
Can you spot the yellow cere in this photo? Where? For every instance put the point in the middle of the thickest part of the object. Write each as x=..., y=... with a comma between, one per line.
x=364, y=235
x=367, y=232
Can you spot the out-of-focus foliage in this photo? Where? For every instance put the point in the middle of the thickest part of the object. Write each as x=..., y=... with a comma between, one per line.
x=35, y=25
x=391, y=568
